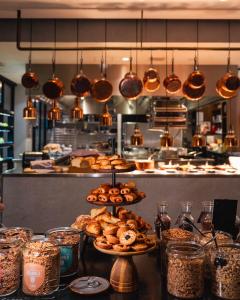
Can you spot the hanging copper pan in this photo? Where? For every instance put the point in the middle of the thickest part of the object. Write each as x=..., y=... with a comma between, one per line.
x=193, y=94
x=80, y=84
x=230, y=81
x=151, y=79
x=30, y=79
x=130, y=86
x=101, y=89
x=172, y=83
x=196, y=79
x=222, y=92
x=53, y=88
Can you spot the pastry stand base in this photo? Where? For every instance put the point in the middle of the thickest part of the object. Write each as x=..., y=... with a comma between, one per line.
x=123, y=276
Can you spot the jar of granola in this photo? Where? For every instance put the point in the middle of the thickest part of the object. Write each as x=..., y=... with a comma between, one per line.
x=221, y=237
x=41, y=267
x=225, y=271
x=185, y=271
x=10, y=261
x=68, y=240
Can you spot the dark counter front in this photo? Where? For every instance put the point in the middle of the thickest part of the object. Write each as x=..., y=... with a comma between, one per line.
x=45, y=201
x=151, y=284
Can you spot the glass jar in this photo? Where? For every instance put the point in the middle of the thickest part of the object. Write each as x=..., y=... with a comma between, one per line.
x=41, y=267
x=225, y=271
x=69, y=240
x=185, y=270
x=21, y=234
x=206, y=215
x=221, y=237
x=10, y=261
x=186, y=213
x=163, y=220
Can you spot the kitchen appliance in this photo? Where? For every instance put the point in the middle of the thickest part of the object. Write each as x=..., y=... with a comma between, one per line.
x=31, y=156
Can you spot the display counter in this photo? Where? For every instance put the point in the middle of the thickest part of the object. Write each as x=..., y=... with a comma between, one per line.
x=43, y=201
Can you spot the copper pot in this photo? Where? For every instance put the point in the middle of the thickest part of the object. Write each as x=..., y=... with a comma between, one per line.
x=151, y=86
x=172, y=83
x=223, y=92
x=101, y=89
x=130, y=86
x=30, y=80
x=80, y=84
x=193, y=94
x=143, y=164
x=196, y=79
x=230, y=82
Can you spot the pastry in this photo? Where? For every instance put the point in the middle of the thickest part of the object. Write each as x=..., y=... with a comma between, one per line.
x=141, y=195
x=111, y=239
x=95, y=166
x=130, y=197
x=121, y=224
x=110, y=229
x=104, y=162
x=132, y=224
x=122, y=230
x=97, y=211
x=95, y=192
x=81, y=222
x=116, y=198
x=117, y=162
x=149, y=242
x=114, y=157
x=140, y=237
x=103, y=197
x=92, y=198
x=130, y=184
x=106, y=167
x=121, y=248
x=122, y=167
x=139, y=246
x=113, y=220
x=128, y=237
x=104, y=217
x=103, y=224
x=94, y=228
x=114, y=191
x=125, y=190
x=103, y=189
x=101, y=242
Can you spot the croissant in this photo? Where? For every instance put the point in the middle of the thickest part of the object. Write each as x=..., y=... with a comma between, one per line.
x=103, y=197
x=114, y=191
x=130, y=197
x=92, y=198
x=125, y=191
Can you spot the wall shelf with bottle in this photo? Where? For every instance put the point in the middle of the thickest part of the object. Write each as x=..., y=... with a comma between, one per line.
x=7, y=94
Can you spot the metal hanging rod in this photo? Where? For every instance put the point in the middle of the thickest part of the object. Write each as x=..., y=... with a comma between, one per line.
x=110, y=48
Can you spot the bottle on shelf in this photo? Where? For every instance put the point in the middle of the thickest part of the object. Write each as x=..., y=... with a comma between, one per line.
x=186, y=212
x=206, y=215
x=137, y=137
x=162, y=220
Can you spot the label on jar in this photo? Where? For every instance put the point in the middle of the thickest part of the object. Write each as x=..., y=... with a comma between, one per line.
x=33, y=276
x=66, y=258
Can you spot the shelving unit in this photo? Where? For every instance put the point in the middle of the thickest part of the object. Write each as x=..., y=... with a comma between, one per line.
x=7, y=94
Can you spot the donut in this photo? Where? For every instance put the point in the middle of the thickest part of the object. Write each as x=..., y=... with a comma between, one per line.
x=132, y=224
x=139, y=247
x=110, y=229
x=122, y=229
x=121, y=248
x=101, y=242
x=128, y=237
x=141, y=237
x=111, y=239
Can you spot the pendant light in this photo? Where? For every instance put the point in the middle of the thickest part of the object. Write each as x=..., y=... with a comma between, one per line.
x=167, y=139
x=230, y=139
x=198, y=140
x=55, y=113
x=106, y=118
x=77, y=111
x=29, y=112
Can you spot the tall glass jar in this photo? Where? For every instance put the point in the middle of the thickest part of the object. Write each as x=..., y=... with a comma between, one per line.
x=185, y=270
x=186, y=212
x=205, y=218
x=10, y=261
x=41, y=267
x=163, y=220
x=225, y=271
x=68, y=239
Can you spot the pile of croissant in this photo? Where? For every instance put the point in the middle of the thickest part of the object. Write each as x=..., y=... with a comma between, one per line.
x=122, y=192
x=114, y=162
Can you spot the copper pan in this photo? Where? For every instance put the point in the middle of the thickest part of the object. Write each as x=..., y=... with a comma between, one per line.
x=230, y=81
x=222, y=92
x=196, y=79
x=172, y=83
x=53, y=88
x=80, y=84
x=193, y=94
x=101, y=89
x=151, y=86
x=130, y=86
x=30, y=79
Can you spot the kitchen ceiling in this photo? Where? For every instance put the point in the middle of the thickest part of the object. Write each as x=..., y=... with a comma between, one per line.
x=186, y=9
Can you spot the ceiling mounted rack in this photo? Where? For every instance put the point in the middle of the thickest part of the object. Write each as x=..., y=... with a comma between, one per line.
x=110, y=48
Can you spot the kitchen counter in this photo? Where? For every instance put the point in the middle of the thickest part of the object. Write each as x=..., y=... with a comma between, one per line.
x=44, y=201
x=151, y=284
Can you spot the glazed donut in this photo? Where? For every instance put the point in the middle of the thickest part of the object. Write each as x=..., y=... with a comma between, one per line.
x=111, y=239
x=128, y=237
x=139, y=247
x=121, y=248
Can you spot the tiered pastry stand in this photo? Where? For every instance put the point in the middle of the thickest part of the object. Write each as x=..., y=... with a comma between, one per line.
x=124, y=278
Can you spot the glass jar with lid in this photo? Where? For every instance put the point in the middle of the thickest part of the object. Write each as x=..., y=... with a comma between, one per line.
x=225, y=271
x=163, y=220
x=41, y=267
x=68, y=240
x=205, y=218
x=10, y=261
x=185, y=213
x=22, y=234
x=185, y=270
